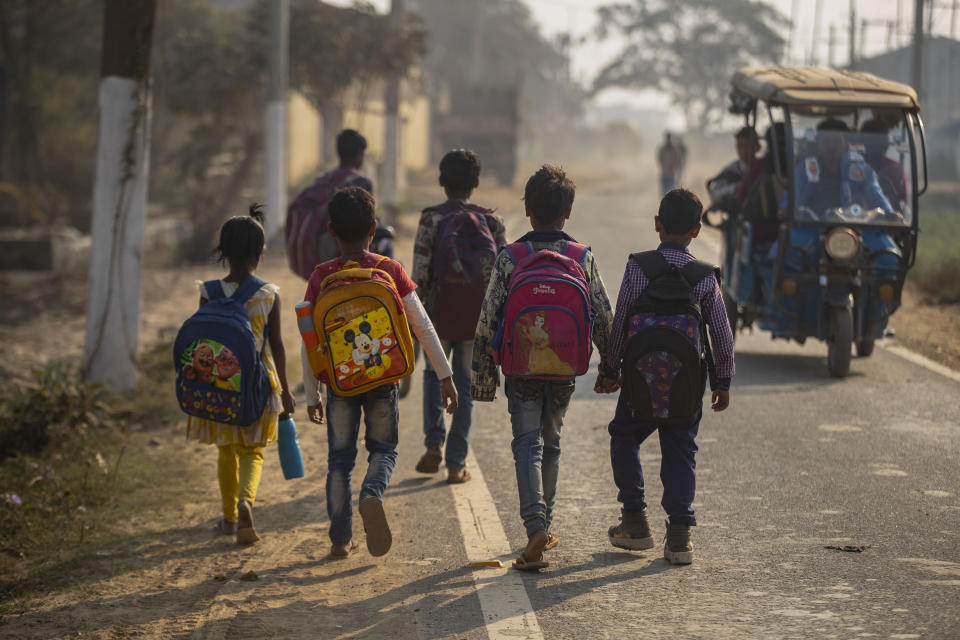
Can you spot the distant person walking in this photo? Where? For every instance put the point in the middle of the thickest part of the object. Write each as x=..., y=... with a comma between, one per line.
x=670, y=158
x=240, y=462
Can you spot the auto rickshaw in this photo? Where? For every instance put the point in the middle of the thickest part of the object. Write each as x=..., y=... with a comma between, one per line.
x=822, y=243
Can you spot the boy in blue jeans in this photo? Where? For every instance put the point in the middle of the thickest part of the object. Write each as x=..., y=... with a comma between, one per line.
x=459, y=176
x=537, y=407
x=352, y=224
x=678, y=223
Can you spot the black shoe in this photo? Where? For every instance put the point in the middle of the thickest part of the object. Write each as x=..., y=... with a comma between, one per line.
x=633, y=532
x=677, y=548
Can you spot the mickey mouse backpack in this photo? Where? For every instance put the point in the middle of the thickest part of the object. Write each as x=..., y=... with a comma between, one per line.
x=356, y=334
x=220, y=372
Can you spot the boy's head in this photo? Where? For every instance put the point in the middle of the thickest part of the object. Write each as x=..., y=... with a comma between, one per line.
x=679, y=215
x=350, y=148
x=351, y=215
x=747, y=145
x=460, y=172
x=549, y=197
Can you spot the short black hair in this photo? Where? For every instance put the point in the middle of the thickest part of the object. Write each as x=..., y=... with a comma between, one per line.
x=746, y=132
x=833, y=124
x=680, y=211
x=350, y=144
x=875, y=126
x=242, y=239
x=460, y=170
x=549, y=194
x=351, y=213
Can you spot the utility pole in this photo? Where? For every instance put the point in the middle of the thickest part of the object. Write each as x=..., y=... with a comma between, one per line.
x=953, y=18
x=831, y=60
x=276, y=114
x=392, y=144
x=788, y=56
x=814, y=58
x=119, y=194
x=918, y=48
x=852, y=38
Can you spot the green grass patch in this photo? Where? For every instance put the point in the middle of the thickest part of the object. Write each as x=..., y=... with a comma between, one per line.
x=938, y=254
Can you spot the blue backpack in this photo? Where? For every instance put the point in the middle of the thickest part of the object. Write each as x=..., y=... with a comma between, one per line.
x=220, y=373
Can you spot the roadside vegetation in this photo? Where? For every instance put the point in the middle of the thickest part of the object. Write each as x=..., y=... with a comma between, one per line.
x=938, y=252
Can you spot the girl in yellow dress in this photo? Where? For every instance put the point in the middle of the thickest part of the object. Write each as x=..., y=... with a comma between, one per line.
x=542, y=358
x=240, y=461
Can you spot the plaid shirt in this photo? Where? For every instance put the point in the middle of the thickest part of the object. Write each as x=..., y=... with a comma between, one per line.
x=423, y=245
x=711, y=302
x=483, y=384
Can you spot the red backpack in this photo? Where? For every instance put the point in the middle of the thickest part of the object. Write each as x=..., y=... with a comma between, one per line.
x=308, y=243
x=463, y=257
x=547, y=326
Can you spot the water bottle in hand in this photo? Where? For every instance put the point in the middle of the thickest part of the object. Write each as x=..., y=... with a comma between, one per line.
x=291, y=460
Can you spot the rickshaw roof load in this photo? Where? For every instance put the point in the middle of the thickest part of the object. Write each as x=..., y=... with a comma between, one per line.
x=817, y=87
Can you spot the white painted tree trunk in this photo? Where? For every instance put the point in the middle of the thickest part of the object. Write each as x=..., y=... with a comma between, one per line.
x=276, y=130
x=119, y=201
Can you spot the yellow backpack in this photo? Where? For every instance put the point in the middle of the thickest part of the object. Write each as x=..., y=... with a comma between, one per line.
x=356, y=334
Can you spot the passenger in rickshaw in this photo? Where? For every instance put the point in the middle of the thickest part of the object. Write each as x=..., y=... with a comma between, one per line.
x=724, y=187
x=876, y=141
x=761, y=200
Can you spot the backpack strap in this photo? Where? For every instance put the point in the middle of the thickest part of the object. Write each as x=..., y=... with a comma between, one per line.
x=653, y=263
x=694, y=272
x=576, y=251
x=249, y=287
x=518, y=251
x=213, y=289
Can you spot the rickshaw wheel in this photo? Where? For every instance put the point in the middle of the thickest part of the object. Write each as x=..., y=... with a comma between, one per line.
x=865, y=347
x=840, y=342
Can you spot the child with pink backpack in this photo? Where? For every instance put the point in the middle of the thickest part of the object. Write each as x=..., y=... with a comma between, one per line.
x=545, y=304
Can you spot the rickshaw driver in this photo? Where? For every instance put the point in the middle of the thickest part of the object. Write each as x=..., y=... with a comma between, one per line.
x=876, y=141
x=835, y=177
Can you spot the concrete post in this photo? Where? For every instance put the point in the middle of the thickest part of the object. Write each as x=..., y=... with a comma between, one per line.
x=392, y=146
x=276, y=116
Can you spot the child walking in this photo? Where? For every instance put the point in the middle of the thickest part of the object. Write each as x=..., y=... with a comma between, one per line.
x=641, y=408
x=537, y=406
x=462, y=288
x=352, y=224
x=240, y=459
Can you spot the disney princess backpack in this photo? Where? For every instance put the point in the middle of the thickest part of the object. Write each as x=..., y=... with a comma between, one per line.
x=220, y=372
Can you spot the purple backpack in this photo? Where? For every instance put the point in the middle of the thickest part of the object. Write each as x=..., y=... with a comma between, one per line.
x=463, y=256
x=667, y=355
x=547, y=317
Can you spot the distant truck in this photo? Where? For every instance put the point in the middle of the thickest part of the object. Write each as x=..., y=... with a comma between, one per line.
x=486, y=120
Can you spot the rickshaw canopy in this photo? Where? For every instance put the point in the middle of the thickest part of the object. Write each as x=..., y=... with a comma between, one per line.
x=813, y=86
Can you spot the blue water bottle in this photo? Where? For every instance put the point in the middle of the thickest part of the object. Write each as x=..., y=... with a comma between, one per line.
x=291, y=460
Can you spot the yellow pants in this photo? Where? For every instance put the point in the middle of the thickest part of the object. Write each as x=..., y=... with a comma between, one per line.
x=239, y=469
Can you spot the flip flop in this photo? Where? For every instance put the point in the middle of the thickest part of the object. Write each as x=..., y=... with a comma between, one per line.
x=379, y=538
x=536, y=543
x=345, y=551
x=552, y=541
x=523, y=565
x=429, y=462
x=463, y=476
x=225, y=527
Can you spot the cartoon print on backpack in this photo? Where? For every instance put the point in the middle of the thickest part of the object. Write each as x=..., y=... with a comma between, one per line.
x=542, y=358
x=366, y=349
x=206, y=361
x=200, y=356
x=227, y=375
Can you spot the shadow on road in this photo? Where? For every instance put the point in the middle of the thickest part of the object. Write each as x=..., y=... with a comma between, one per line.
x=766, y=369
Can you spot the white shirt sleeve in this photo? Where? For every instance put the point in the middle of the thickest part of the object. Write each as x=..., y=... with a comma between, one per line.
x=426, y=334
x=311, y=386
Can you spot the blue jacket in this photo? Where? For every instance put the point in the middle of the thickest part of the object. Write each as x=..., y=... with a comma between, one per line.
x=858, y=183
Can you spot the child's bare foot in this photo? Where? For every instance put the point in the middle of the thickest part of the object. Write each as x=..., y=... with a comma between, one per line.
x=339, y=551
x=246, y=534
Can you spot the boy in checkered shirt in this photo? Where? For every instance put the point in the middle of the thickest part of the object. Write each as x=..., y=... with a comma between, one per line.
x=678, y=223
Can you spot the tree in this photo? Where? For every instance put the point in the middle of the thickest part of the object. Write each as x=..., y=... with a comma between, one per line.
x=689, y=50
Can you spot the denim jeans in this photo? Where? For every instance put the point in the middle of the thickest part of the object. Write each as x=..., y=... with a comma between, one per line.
x=434, y=431
x=536, y=410
x=678, y=468
x=382, y=420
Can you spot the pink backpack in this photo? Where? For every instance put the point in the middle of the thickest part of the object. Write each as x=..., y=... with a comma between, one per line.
x=547, y=317
x=307, y=241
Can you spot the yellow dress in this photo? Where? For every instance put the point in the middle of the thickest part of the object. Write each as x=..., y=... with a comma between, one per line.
x=542, y=358
x=263, y=431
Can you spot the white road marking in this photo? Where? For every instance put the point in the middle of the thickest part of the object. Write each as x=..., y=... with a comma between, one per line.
x=923, y=361
x=506, y=606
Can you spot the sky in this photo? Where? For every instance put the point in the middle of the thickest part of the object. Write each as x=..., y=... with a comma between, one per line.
x=579, y=18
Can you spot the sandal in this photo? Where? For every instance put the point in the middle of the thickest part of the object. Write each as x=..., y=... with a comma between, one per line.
x=247, y=534
x=552, y=541
x=531, y=559
x=341, y=551
x=225, y=527
x=458, y=476
x=430, y=462
x=379, y=538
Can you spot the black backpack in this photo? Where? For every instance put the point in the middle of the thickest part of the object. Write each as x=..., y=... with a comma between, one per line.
x=667, y=358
